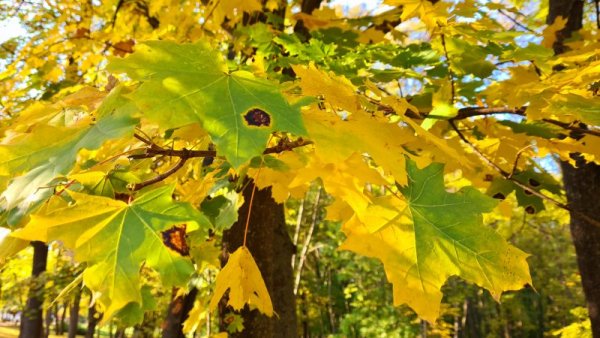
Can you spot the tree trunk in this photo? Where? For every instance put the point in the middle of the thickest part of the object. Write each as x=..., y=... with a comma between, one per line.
x=571, y=9
x=32, y=320
x=582, y=185
x=48, y=321
x=74, y=314
x=178, y=312
x=62, y=319
x=120, y=333
x=92, y=321
x=270, y=244
x=582, y=182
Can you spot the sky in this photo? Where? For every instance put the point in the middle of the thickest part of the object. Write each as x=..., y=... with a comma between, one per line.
x=9, y=29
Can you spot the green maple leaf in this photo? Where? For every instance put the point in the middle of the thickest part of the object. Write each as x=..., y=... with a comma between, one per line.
x=433, y=235
x=115, y=238
x=183, y=84
x=47, y=152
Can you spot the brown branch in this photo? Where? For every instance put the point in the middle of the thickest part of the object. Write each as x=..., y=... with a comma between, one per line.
x=572, y=127
x=185, y=154
x=287, y=145
x=510, y=177
x=516, y=22
x=156, y=150
x=162, y=176
x=210, y=12
x=468, y=112
x=114, y=18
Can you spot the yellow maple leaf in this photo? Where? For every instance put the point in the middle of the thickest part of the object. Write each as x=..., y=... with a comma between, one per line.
x=233, y=9
x=337, y=90
x=245, y=283
x=195, y=319
x=549, y=32
x=361, y=132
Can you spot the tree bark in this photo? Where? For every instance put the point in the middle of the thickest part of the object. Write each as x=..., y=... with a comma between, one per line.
x=571, y=9
x=62, y=319
x=179, y=309
x=92, y=321
x=582, y=182
x=74, y=314
x=32, y=322
x=120, y=333
x=270, y=244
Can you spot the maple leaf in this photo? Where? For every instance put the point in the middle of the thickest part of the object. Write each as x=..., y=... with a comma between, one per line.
x=10, y=245
x=431, y=236
x=189, y=83
x=47, y=152
x=550, y=31
x=245, y=283
x=115, y=238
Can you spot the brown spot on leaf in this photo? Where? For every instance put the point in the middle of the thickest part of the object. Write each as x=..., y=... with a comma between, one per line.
x=499, y=196
x=258, y=117
x=534, y=183
x=530, y=210
x=123, y=48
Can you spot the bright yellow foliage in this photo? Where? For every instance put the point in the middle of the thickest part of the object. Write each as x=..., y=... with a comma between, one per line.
x=245, y=284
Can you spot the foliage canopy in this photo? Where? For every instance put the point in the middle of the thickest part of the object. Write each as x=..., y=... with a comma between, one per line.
x=123, y=119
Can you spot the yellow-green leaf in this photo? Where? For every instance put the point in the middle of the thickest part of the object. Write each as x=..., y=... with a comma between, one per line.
x=187, y=83
x=115, y=238
x=433, y=235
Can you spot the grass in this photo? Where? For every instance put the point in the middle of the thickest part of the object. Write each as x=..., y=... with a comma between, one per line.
x=13, y=332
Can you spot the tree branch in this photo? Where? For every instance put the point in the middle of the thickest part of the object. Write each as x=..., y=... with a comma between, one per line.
x=184, y=154
x=156, y=150
x=510, y=177
x=467, y=112
x=516, y=22
x=162, y=176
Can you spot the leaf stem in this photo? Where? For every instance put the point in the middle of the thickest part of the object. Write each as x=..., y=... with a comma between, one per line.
x=252, y=196
x=250, y=205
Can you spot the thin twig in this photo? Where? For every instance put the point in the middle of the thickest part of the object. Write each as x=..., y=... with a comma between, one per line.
x=572, y=127
x=518, y=183
x=450, y=72
x=297, y=230
x=516, y=163
x=307, y=240
x=516, y=22
x=162, y=176
x=145, y=140
x=209, y=14
x=70, y=183
x=467, y=112
x=116, y=156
